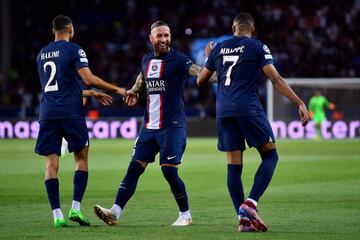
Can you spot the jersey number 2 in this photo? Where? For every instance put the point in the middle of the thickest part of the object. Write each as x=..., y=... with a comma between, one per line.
x=233, y=59
x=48, y=87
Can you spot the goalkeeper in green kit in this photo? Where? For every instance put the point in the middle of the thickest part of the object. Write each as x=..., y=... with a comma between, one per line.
x=317, y=106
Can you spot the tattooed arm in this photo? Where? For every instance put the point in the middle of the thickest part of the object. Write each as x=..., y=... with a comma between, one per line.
x=195, y=72
x=133, y=94
x=139, y=84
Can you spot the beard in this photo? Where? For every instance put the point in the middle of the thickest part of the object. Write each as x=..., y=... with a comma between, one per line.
x=162, y=48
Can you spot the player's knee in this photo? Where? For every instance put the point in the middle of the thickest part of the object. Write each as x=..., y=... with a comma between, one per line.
x=82, y=155
x=170, y=172
x=52, y=163
x=51, y=167
x=235, y=157
x=135, y=168
x=142, y=163
x=270, y=154
x=267, y=147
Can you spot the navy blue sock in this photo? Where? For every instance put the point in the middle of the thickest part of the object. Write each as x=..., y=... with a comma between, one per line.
x=52, y=189
x=264, y=173
x=128, y=184
x=235, y=186
x=177, y=187
x=80, y=183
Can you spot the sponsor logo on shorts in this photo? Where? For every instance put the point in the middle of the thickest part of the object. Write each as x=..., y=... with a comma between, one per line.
x=169, y=158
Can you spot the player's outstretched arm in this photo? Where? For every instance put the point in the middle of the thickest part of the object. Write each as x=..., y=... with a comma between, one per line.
x=194, y=70
x=92, y=80
x=206, y=76
x=283, y=87
x=105, y=99
x=133, y=93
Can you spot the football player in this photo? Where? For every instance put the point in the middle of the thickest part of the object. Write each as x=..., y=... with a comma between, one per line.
x=163, y=130
x=239, y=115
x=62, y=114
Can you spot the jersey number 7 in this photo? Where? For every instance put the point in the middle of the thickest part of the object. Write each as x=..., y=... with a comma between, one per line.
x=233, y=59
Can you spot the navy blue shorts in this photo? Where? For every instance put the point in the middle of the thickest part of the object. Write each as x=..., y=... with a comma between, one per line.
x=170, y=142
x=52, y=131
x=233, y=131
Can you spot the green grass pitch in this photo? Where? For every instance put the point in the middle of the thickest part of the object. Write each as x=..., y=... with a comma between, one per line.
x=314, y=194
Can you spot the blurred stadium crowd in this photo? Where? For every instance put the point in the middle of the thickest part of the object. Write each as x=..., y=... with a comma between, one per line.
x=307, y=38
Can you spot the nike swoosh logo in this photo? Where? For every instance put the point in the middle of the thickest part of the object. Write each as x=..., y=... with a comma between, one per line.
x=152, y=74
x=169, y=158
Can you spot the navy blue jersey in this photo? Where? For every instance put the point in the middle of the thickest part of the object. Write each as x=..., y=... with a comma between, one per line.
x=236, y=62
x=165, y=79
x=61, y=85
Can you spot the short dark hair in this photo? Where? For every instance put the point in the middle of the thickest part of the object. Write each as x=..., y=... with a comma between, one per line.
x=158, y=24
x=61, y=23
x=243, y=18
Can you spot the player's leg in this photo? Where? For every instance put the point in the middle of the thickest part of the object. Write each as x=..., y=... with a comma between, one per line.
x=269, y=158
x=52, y=188
x=48, y=144
x=172, y=143
x=76, y=134
x=231, y=141
x=262, y=180
x=145, y=149
x=318, y=119
x=258, y=133
x=234, y=183
x=125, y=191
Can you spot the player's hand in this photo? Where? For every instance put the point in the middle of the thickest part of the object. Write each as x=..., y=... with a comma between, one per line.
x=304, y=114
x=105, y=99
x=121, y=91
x=208, y=48
x=131, y=98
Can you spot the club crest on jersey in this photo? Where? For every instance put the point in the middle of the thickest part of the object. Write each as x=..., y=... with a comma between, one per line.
x=154, y=69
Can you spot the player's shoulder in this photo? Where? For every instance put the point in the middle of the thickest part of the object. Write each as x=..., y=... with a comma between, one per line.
x=48, y=47
x=74, y=47
x=76, y=50
x=261, y=45
x=178, y=54
x=148, y=55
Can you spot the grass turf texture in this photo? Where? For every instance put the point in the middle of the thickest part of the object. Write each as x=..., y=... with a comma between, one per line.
x=314, y=194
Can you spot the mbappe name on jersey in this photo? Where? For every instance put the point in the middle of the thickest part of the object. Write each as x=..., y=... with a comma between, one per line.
x=232, y=50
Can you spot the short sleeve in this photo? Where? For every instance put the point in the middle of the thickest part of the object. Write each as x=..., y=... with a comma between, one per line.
x=79, y=57
x=210, y=61
x=187, y=62
x=265, y=56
